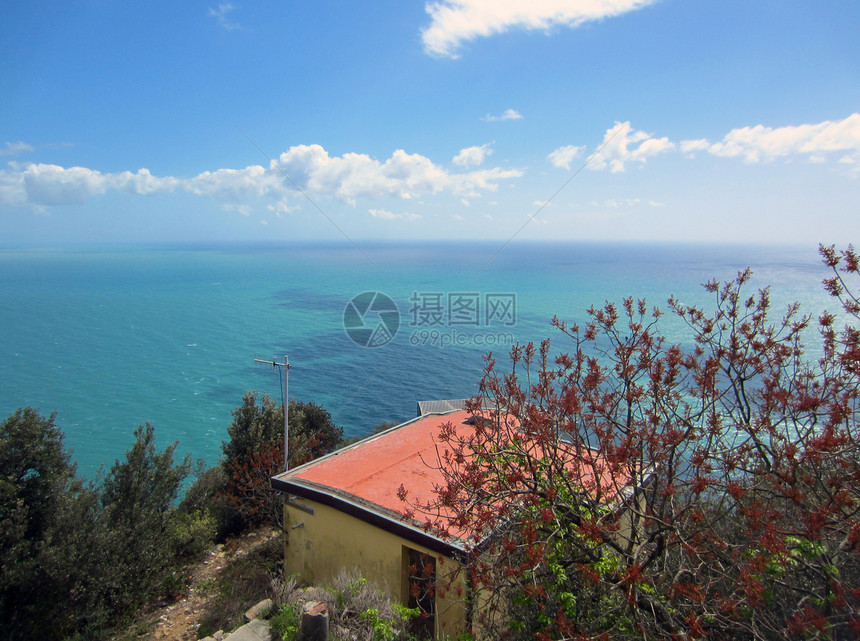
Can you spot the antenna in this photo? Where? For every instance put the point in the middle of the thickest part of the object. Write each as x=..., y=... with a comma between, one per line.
x=286, y=366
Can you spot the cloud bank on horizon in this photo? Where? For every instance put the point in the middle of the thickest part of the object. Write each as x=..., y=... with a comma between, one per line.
x=307, y=169
x=837, y=142
x=311, y=170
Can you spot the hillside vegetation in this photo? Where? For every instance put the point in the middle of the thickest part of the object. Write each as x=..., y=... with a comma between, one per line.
x=78, y=559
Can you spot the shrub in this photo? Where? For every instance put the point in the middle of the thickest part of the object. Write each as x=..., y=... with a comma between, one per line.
x=137, y=498
x=255, y=453
x=208, y=493
x=49, y=531
x=285, y=623
x=191, y=534
x=76, y=557
x=360, y=607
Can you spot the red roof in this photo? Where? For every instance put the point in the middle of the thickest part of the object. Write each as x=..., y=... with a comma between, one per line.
x=366, y=476
x=373, y=469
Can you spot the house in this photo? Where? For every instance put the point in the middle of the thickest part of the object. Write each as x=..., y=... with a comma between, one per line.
x=342, y=511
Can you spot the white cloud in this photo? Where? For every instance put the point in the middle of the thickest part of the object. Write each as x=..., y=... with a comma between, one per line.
x=237, y=185
x=618, y=203
x=691, y=146
x=384, y=214
x=13, y=148
x=454, y=22
x=245, y=210
x=280, y=208
x=563, y=156
x=220, y=15
x=308, y=167
x=142, y=182
x=764, y=144
x=618, y=148
x=509, y=114
x=55, y=185
x=12, y=191
x=472, y=156
x=817, y=142
x=403, y=175
x=44, y=185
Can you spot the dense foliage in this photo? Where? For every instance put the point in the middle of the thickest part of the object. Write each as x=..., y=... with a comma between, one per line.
x=255, y=453
x=76, y=557
x=634, y=489
x=140, y=519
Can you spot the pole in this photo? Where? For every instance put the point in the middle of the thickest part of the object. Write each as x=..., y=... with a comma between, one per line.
x=286, y=413
x=286, y=366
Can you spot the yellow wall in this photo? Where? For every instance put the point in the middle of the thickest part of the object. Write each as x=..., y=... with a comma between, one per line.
x=330, y=540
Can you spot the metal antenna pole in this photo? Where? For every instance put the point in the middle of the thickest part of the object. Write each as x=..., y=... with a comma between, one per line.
x=286, y=413
x=286, y=366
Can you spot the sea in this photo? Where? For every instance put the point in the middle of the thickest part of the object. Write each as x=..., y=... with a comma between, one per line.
x=109, y=338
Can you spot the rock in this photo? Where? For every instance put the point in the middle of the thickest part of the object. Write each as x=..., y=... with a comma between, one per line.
x=256, y=630
x=258, y=609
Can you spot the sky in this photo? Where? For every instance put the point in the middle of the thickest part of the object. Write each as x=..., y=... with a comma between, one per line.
x=504, y=120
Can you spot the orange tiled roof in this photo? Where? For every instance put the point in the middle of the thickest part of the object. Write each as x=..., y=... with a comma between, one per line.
x=373, y=469
x=367, y=475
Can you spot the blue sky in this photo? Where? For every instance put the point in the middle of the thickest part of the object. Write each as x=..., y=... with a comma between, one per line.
x=670, y=120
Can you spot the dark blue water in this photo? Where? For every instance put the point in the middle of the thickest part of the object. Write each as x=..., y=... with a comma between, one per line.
x=109, y=339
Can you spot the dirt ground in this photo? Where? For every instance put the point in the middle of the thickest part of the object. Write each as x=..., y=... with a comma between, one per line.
x=179, y=620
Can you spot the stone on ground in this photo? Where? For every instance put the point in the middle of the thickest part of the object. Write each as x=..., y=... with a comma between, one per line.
x=256, y=630
x=255, y=611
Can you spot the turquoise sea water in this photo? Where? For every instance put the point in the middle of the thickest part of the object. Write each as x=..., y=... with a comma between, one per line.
x=109, y=339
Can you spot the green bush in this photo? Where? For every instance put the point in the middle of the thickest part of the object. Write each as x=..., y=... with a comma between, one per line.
x=207, y=485
x=285, y=623
x=259, y=422
x=359, y=606
x=137, y=500
x=50, y=535
x=255, y=452
x=191, y=534
x=76, y=558
x=79, y=558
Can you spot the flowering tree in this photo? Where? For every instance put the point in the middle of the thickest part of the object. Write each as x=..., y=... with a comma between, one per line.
x=635, y=489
